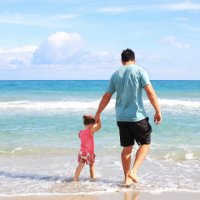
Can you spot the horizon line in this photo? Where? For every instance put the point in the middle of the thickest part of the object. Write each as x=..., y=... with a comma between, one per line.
x=92, y=79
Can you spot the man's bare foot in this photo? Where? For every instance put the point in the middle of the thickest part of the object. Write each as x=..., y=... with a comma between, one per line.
x=133, y=176
x=128, y=181
x=75, y=179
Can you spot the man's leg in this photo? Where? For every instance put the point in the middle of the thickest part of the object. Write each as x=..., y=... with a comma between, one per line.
x=126, y=163
x=139, y=157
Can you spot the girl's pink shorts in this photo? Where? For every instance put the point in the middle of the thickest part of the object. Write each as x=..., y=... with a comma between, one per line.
x=86, y=157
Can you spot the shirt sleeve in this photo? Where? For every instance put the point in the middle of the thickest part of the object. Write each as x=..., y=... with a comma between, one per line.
x=111, y=87
x=144, y=78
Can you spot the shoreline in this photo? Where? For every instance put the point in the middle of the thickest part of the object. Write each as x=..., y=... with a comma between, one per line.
x=128, y=195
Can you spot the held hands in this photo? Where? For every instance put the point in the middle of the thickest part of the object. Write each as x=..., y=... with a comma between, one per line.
x=157, y=118
x=97, y=124
x=97, y=118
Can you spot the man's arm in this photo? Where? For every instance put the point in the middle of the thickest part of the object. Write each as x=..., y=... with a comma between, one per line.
x=154, y=101
x=103, y=103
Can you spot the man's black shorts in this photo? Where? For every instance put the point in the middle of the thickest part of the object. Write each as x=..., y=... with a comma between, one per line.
x=139, y=131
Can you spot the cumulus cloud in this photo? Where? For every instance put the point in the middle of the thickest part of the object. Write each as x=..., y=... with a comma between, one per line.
x=58, y=48
x=16, y=57
x=172, y=40
x=62, y=56
x=67, y=49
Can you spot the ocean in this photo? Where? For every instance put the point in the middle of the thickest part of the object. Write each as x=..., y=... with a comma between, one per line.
x=39, y=125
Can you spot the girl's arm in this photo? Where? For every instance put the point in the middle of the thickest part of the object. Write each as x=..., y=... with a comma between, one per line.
x=96, y=127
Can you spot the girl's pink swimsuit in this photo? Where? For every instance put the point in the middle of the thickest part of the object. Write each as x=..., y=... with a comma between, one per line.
x=87, y=141
x=86, y=153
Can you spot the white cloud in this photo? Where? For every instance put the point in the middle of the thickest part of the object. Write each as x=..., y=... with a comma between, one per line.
x=172, y=40
x=181, y=6
x=182, y=19
x=168, y=65
x=36, y=20
x=58, y=49
x=17, y=57
x=62, y=54
x=114, y=10
x=193, y=29
x=68, y=49
x=66, y=56
x=63, y=16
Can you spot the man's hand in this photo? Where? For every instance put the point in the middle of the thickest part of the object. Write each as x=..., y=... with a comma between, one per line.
x=103, y=103
x=97, y=118
x=157, y=118
x=154, y=101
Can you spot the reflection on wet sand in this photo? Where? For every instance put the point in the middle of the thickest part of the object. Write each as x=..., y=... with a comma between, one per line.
x=131, y=195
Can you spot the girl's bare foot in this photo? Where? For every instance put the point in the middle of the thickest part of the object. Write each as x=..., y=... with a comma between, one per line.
x=93, y=179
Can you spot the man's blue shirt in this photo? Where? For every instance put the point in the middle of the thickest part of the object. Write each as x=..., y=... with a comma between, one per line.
x=128, y=83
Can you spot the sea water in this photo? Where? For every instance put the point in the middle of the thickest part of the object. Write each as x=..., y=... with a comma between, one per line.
x=39, y=125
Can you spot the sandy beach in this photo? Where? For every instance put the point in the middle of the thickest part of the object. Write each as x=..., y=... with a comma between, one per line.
x=130, y=195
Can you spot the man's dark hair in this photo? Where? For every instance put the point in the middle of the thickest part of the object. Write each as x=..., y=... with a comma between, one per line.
x=127, y=55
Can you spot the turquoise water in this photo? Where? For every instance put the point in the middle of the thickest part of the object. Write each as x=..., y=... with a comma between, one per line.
x=40, y=121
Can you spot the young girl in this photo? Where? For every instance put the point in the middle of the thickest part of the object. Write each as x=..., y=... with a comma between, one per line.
x=86, y=153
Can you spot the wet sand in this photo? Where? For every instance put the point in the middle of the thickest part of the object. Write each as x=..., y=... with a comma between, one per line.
x=130, y=195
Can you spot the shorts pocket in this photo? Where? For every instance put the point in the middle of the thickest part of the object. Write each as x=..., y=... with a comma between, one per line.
x=143, y=126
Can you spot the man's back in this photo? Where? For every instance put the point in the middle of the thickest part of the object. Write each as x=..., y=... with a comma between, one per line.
x=128, y=83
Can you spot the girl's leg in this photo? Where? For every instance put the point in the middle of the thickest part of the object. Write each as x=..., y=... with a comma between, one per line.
x=92, y=171
x=78, y=170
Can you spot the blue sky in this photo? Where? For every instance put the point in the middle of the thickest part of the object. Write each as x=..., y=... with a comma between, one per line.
x=83, y=39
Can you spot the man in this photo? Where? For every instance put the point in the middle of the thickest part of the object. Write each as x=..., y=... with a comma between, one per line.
x=131, y=117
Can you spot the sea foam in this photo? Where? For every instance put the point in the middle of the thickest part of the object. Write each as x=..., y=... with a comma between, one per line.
x=85, y=105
